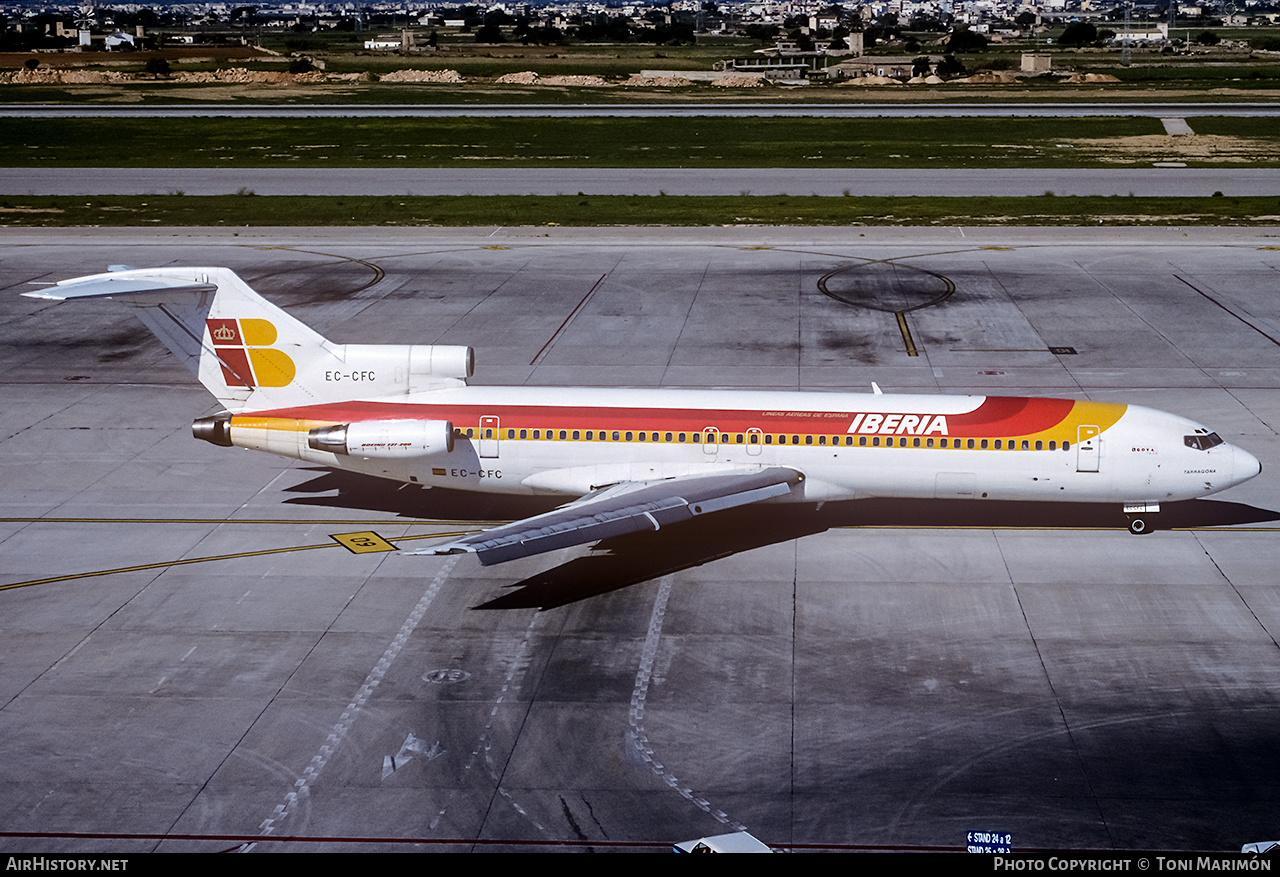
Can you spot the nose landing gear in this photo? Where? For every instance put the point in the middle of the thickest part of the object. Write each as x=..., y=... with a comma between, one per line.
x=1140, y=517
x=1139, y=526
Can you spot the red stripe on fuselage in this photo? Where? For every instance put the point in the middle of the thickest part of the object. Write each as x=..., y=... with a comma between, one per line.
x=996, y=415
x=1012, y=415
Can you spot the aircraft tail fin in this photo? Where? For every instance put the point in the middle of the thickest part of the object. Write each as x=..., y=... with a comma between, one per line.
x=252, y=355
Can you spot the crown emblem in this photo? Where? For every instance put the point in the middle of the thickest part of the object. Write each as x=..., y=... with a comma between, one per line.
x=224, y=333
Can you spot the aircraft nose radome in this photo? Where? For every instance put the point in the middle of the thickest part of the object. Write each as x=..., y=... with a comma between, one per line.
x=1244, y=465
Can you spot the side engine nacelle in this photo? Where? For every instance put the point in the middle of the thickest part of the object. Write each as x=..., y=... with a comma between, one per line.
x=384, y=439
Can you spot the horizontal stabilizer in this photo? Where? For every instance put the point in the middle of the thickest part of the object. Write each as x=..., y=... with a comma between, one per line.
x=107, y=286
x=629, y=507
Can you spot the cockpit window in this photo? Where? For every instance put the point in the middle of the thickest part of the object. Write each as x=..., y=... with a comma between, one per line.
x=1202, y=442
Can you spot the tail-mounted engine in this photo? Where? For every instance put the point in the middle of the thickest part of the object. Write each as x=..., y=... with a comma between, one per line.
x=384, y=439
x=390, y=369
x=215, y=430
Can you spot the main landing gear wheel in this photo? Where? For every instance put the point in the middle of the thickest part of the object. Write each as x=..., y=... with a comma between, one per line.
x=1139, y=526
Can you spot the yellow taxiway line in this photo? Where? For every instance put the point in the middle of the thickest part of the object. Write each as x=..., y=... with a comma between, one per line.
x=367, y=541
x=190, y=560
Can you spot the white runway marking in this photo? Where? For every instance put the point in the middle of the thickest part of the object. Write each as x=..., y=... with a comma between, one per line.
x=638, y=695
x=302, y=787
x=517, y=665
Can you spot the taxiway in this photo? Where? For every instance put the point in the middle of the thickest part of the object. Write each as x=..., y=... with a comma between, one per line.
x=193, y=661
x=830, y=182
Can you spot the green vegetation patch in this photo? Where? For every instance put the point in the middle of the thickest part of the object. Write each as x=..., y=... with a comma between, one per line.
x=594, y=210
x=568, y=142
x=1259, y=127
x=1238, y=76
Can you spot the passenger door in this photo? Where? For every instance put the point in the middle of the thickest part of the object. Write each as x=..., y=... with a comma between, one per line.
x=1088, y=448
x=489, y=435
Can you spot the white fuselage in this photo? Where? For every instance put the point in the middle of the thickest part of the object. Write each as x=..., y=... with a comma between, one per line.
x=571, y=441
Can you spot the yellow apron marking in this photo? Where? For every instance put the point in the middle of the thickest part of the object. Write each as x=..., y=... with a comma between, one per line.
x=906, y=334
x=185, y=561
x=366, y=542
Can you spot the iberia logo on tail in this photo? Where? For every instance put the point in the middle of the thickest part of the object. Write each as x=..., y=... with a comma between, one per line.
x=244, y=350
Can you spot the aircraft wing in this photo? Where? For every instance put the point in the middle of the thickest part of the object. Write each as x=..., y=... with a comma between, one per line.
x=628, y=507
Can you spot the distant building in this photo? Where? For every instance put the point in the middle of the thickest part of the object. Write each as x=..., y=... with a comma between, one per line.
x=406, y=41
x=876, y=65
x=1142, y=37
x=119, y=42
x=1036, y=64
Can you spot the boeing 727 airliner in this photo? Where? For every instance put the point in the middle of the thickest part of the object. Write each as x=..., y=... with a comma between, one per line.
x=630, y=460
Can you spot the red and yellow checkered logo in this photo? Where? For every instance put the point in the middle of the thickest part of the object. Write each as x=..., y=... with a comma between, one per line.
x=246, y=355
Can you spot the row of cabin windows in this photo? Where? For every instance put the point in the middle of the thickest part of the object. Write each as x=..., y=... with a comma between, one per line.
x=754, y=438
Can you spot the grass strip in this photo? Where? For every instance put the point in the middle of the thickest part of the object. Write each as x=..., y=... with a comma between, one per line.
x=582, y=142
x=601, y=210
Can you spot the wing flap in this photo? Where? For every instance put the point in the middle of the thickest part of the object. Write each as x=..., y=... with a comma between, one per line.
x=623, y=508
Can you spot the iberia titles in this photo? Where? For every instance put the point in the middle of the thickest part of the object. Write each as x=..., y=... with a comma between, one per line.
x=898, y=424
